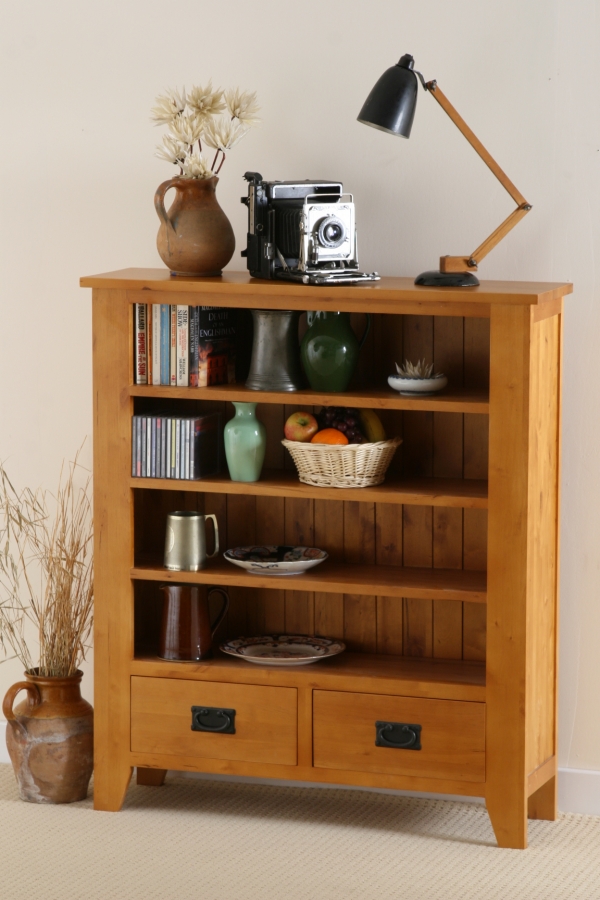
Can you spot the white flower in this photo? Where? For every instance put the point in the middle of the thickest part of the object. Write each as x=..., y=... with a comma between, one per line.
x=195, y=166
x=223, y=134
x=187, y=129
x=168, y=106
x=205, y=100
x=242, y=105
x=172, y=150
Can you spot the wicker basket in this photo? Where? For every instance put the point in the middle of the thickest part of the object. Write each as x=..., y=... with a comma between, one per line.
x=343, y=466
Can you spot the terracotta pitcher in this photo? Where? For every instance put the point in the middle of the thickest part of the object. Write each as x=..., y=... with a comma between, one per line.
x=50, y=738
x=195, y=236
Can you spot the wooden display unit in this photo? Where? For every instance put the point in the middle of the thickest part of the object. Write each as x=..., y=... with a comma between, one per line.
x=442, y=581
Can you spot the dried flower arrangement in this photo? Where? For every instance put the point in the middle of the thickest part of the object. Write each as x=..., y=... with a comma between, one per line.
x=420, y=370
x=47, y=559
x=202, y=116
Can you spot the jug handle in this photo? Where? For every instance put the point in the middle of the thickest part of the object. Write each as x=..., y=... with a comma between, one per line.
x=223, y=612
x=159, y=202
x=365, y=332
x=215, y=523
x=34, y=697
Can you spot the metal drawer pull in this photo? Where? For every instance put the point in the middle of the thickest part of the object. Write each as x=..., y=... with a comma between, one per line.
x=216, y=719
x=406, y=737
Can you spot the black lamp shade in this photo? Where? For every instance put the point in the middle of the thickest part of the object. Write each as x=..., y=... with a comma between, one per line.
x=391, y=104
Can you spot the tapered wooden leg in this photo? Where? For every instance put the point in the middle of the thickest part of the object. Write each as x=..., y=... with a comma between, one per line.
x=509, y=819
x=543, y=803
x=110, y=786
x=151, y=777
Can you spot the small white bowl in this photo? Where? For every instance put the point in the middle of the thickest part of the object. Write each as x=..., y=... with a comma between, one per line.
x=410, y=386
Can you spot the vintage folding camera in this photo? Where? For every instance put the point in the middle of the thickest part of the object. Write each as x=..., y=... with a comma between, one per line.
x=301, y=231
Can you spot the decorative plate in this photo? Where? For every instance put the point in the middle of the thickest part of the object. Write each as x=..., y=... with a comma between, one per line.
x=274, y=560
x=283, y=649
x=410, y=386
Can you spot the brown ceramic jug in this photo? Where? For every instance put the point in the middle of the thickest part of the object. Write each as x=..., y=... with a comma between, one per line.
x=195, y=236
x=186, y=632
x=50, y=738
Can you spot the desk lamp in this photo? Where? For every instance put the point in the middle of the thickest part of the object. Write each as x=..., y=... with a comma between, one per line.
x=391, y=107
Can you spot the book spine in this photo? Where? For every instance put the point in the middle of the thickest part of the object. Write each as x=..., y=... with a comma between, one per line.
x=149, y=343
x=168, y=448
x=158, y=444
x=155, y=343
x=141, y=344
x=193, y=351
x=138, y=447
x=177, y=448
x=193, y=431
x=143, y=454
x=133, y=443
x=173, y=444
x=173, y=347
x=183, y=338
x=148, y=447
x=165, y=343
x=153, y=448
x=187, y=449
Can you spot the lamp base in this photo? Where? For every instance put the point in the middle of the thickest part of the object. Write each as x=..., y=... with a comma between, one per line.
x=446, y=279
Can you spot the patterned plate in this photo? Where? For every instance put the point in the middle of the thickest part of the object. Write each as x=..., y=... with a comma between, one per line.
x=274, y=560
x=283, y=649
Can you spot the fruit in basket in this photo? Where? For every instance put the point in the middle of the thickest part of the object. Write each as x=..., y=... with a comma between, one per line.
x=372, y=425
x=329, y=436
x=344, y=419
x=300, y=426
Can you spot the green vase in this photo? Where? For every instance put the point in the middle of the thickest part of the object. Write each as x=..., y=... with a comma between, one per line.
x=330, y=350
x=245, y=443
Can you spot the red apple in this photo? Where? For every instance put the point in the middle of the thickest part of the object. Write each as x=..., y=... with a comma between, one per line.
x=300, y=427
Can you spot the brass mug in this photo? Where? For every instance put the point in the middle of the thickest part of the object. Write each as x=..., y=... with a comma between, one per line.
x=186, y=631
x=185, y=541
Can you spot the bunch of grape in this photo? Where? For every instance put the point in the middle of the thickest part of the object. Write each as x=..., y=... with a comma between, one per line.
x=345, y=419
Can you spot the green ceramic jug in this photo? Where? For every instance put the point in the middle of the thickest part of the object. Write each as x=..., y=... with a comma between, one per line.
x=245, y=443
x=330, y=350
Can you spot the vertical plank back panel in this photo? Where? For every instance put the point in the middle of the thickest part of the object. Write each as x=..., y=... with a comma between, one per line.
x=360, y=612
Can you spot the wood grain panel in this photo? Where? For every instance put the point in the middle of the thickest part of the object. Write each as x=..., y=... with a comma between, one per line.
x=388, y=550
x=241, y=530
x=113, y=546
x=299, y=531
x=417, y=619
x=542, y=570
x=360, y=612
x=329, y=535
x=270, y=526
x=265, y=720
x=452, y=736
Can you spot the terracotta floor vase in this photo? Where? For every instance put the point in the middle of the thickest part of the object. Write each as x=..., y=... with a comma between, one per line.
x=50, y=738
x=195, y=236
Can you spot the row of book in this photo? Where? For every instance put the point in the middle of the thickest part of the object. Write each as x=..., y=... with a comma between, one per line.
x=187, y=447
x=184, y=346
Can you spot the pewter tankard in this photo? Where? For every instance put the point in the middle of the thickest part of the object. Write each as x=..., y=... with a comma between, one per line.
x=275, y=363
x=185, y=541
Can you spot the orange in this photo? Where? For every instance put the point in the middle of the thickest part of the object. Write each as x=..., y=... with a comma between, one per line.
x=329, y=436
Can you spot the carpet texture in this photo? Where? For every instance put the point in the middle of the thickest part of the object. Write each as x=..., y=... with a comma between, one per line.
x=220, y=841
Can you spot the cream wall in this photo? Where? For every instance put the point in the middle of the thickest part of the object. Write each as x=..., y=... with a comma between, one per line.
x=78, y=177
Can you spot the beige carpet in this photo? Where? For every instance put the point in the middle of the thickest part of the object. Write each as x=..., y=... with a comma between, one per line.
x=203, y=840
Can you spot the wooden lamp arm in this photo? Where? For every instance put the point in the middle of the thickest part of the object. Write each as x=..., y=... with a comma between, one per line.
x=461, y=263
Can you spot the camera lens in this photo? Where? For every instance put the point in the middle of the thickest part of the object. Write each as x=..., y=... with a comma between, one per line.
x=331, y=232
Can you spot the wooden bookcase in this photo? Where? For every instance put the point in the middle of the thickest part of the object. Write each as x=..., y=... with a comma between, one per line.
x=442, y=581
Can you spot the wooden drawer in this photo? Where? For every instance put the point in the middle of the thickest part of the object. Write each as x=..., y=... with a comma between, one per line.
x=452, y=735
x=265, y=720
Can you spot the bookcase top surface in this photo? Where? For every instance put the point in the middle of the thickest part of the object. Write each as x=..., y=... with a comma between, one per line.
x=387, y=290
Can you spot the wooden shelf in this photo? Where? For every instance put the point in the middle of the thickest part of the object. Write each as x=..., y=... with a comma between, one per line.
x=338, y=578
x=362, y=672
x=455, y=492
x=460, y=401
